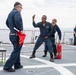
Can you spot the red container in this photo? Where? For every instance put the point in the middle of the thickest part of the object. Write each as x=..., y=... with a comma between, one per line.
x=59, y=51
x=21, y=38
x=59, y=48
x=59, y=56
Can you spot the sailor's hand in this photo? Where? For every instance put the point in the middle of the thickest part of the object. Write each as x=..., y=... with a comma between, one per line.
x=22, y=32
x=33, y=17
x=46, y=37
x=59, y=41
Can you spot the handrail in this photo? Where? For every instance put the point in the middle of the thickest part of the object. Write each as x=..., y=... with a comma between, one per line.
x=31, y=34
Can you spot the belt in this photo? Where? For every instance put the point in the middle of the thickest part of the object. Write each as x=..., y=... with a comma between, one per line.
x=13, y=34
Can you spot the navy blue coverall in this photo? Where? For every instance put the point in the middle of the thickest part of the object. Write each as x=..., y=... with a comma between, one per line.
x=14, y=20
x=52, y=38
x=74, y=36
x=44, y=31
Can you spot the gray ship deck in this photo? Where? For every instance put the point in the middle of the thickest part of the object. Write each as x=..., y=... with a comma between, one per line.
x=42, y=66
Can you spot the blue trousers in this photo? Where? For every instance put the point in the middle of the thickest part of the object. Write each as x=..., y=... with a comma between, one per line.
x=47, y=41
x=14, y=58
x=53, y=45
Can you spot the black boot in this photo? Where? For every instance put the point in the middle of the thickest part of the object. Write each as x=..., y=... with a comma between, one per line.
x=51, y=57
x=45, y=54
x=10, y=70
x=33, y=54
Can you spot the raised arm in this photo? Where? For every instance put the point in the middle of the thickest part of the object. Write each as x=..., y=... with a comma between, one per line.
x=34, y=24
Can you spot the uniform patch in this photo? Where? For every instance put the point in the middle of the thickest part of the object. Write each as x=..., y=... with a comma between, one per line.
x=47, y=26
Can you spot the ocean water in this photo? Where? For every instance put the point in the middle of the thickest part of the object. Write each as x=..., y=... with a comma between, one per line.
x=32, y=34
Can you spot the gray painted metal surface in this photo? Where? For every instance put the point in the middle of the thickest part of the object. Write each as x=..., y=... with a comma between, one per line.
x=42, y=66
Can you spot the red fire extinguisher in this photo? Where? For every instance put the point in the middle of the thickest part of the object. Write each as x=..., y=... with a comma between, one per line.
x=59, y=51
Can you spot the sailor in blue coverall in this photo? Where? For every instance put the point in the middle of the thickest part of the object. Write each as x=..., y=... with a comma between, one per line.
x=14, y=20
x=75, y=35
x=45, y=32
x=52, y=38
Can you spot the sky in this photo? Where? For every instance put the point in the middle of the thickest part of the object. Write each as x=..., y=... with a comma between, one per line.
x=63, y=10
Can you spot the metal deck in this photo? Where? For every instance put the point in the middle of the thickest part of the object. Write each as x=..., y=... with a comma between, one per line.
x=42, y=66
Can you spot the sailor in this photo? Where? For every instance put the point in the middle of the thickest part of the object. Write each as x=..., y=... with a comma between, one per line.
x=45, y=32
x=75, y=35
x=55, y=28
x=14, y=20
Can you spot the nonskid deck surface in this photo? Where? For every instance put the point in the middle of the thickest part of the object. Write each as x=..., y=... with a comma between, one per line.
x=42, y=66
